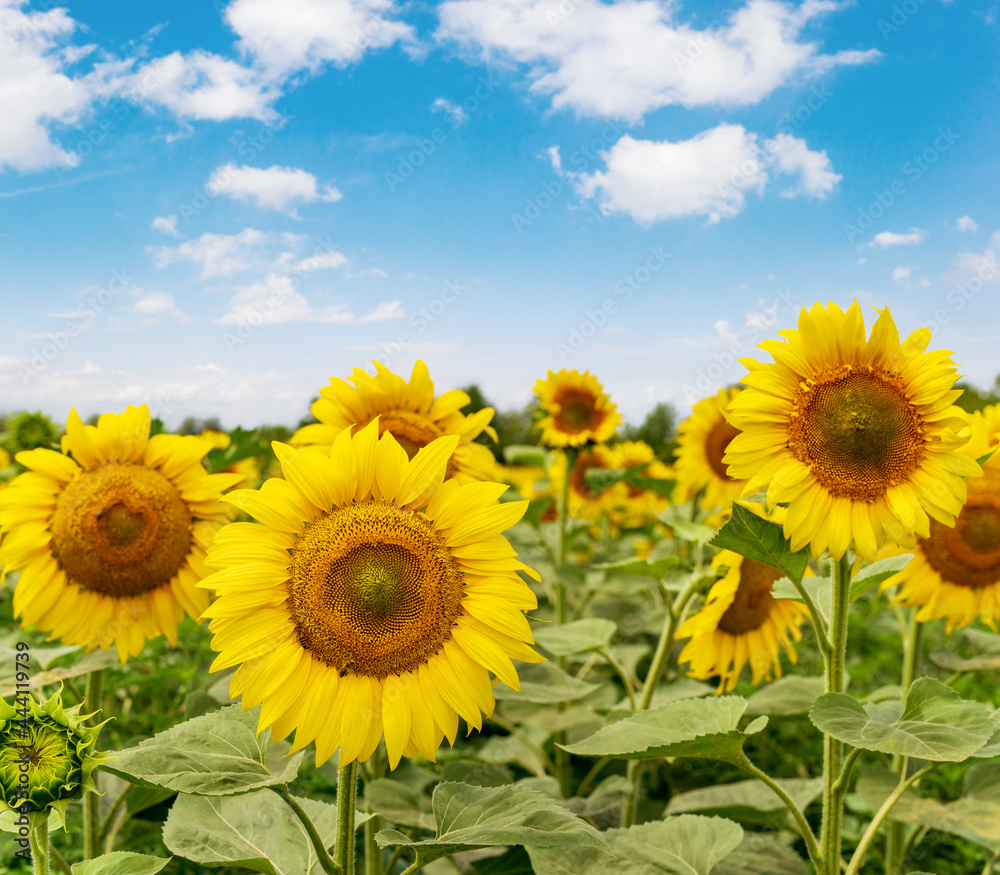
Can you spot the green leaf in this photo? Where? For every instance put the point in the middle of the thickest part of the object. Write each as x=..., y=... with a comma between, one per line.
x=536, y=510
x=480, y=817
x=655, y=569
x=121, y=863
x=681, y=526
x=465, y=771
x=793, y=694
x=749, y=535
x=983, y=459
x=545, y=684
x=661, y=486
x=760, y=855
x=689, y=727
x=217, y=754
x=257, y=831
x=580, y=636
x=686, y=845
x=242, y=445
x=398, y=804
x=871, y=576
x=599, y=479
x=953, y=662
x=751, y=802
x=525, y=454
x=936, y=724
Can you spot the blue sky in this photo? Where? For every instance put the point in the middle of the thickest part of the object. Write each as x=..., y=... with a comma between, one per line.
x=214, y=207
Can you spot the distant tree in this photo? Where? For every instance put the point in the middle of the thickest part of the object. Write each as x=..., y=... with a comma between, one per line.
x=192, y=425
x=658, y=429
x=477, y=400
x=29, y=430
x=973, y=399
x=267, y=433
x=512, y=426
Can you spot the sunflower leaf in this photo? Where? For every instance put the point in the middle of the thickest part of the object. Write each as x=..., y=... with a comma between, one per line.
x=750, y=802
x=759, y=855
x=756, y=538
x=662, y=486
x=689, y=727
x=685, y=845
x=868, y=578
x=983, y=459
x=121, y=863
x=580, y=636
x=525, y=454
x=217, y=754
x=936, y=723
x=470, y=817
x=682, y=527
x=793, y=694
x=545, y=684
x=654, y=569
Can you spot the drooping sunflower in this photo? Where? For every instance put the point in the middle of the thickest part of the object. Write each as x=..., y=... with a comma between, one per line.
x=110, y=534
x=374, y=599
x=741, y=622
x=955, y=572
x=409, y=412
x=702, y=441
x=860, y=438
x=576, y=410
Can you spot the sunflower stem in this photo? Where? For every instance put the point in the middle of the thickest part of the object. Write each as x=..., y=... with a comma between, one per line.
x=561, y=756
x=38, y=839
x=816, y=617
x=328, y=865
x=833, y=750
x=91, y=814
x=347, y=794
x=619, y=670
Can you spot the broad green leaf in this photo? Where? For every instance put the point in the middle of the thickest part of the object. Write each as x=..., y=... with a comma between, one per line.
x=465, y=771
x=217, y=754
x=121, y=863
x=661, y=486
x=953, y=662
x=580, y=636
x=242, y=445
x=545, y=684
x=750, y=802
x=819, y=589
x=871, y=576
x=760, y=855
x=9, y=818
x=793, y=694
x=684, y=528
x=749, y=535
x=42, y=671
x=689, y=727
x=937, y=724
x=525, y=454
x=480, y=817
x=654, y=569
x=607, y=796
x=686, y=845
x=398, y=804
x=536, y=510
x=505, y=749
x=257, y=831
x=599, y=479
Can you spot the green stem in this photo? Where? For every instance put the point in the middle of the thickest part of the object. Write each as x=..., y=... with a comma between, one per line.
x=396, y=854
x=347, y=794
x=109, y=830
x=322, y=856
x=91, y=815
x=622, y=674
x=561, y=756
x=416, y=867
x=60, y=860
x=588, y=779
x=833, y=750
x=38, y=838
x=881, y=815
x=816, y=617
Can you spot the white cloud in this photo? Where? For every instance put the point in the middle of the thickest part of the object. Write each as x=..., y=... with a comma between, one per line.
x=156, y=307
x=329, y=260
x=274, y=188
x=885, y=239
x=166, y=224
x=966, y=224
x=366, y=272
x=457, y=114
x=227, y=254
x=707, y=175
x=982, y=265
x=901, y=274
x=625, y=59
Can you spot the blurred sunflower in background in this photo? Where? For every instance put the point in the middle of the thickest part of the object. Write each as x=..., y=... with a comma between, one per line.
x=628, y=505
x=110, y=534
x=575, y=409
x=702, y=441
x=955, y=572
x=409, y=411
x=584, y=499
x=374, y=599
x=859, y=437
x=741, y=622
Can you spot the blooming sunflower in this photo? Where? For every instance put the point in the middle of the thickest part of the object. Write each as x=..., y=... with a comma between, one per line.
x=741, y=622
x=858, y=437
x=702, y=441
x=628, y=505
x=373, y=600
x=583, y=498
x=110, y=538
x=407, y=410
x=955, y=572
x=575, y=409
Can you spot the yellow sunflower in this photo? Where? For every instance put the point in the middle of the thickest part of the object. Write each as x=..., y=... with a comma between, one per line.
x=860, y=438
x=407, y=410
x=583, y=498
x=110, y=534
x=955, y=572
x=374, y=600
x=741, y=622
x=631, y=506
x=702, y=441
x=576, y=410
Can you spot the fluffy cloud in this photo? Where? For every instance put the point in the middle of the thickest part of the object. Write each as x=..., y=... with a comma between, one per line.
x=627, y=58
x=166, y=224
x=885, y=239
x=275, y=188
x=228, y=254
x=707, y=175
x=966, y=224
x=901, y=274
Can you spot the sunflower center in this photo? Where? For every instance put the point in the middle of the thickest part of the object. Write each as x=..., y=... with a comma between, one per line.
x=121, y=530
x=412, y=431
x=373, y=589
x=585, y=462
x=753, y=600
x=858, y=432
x=716, y=443
x=577, y=411
x=969, y=554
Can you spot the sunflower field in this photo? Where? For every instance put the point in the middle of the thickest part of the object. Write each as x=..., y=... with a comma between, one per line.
x=395, y=640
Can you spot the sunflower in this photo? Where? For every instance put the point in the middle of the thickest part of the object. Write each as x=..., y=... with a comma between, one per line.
x=955, y=572
x=575, y=409
x=630, y=506
x=741, y=622
x=110, y=538
x=858, y=437
x=375, y=598
x=584, y=500
x=408, y=411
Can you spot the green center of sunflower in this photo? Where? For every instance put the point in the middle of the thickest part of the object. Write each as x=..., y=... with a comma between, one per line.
x=121, y=530
x=373, y=589
x=716, y=443
x=858, y=432
x=968, y=554
x=753, y=600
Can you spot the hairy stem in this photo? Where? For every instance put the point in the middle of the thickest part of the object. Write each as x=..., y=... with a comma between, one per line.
x=91, y=815
x=347, y=794
x=322, y=856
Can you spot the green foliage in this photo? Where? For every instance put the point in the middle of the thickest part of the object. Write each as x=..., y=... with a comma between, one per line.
x=121, y=863
x=28, y=430
x=658, y=429
x=756, y=538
